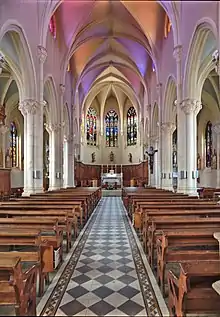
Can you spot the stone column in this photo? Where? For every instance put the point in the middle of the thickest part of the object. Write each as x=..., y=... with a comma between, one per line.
x=181, y=131
x=68, y=163
x=216, y=128
x=3, y=132
x=61, y=137
x=53, y=133
x=38, y=124
x=158, y=155
x=28, y=109
x=167, y=161
x=142, y=140
x=191, y=108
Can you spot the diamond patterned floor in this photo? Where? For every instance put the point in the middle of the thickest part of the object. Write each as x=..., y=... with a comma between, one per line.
x=104, y=281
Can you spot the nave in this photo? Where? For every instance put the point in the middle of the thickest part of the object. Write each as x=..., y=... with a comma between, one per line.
x=106, y=273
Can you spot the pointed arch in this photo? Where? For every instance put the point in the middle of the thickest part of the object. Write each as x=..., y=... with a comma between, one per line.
x=208, y=143
x=111, y=128
x=24, y=69
x=91, y=126
x=205, y=29
x=131, y=126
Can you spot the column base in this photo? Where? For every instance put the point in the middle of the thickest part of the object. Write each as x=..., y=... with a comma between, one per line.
x=191, y=192
x=53, y=188
x=27, y=193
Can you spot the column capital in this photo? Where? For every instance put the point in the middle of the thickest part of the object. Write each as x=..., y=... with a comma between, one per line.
x=4, y=129
x=62, y=89
x=28, y=106
x=42, y=53
x=168, y=127
x=191, y=106
x=216, y=127
x=51, y=127
x=68, y=138
x=177, y=53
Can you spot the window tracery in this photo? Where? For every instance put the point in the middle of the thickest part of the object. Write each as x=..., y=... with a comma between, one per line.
x=111, y=121
x=131, y=126
x=208, y=144
x=91, y=126
x=13, y=144
x=52, y=26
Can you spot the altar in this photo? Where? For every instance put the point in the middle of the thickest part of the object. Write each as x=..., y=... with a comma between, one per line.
x=111, y=179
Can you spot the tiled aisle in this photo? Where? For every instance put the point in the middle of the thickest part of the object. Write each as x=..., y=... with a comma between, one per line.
x=101, y=276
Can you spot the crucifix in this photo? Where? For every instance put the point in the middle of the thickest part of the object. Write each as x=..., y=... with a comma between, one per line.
x=151, y=153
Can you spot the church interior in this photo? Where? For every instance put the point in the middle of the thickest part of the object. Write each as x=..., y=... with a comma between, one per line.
x=109, y=158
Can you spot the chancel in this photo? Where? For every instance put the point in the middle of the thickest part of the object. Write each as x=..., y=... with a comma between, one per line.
x=109, y=158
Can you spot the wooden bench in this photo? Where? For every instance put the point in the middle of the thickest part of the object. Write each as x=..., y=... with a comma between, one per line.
x=184, y=245
x=18, y=288
x=156, y=226
x=66, y=218
x=190, y=289
x=15, y=241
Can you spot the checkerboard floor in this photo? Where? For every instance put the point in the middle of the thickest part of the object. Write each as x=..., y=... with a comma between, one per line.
x=105, y=282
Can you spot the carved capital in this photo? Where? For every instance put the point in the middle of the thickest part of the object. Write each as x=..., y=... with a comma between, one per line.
x=168, y=127
x=68, y=138
x=191, y=106
x=53, y=127
x=4, y=129
x=42, y=53
x=177, y=53
x=29, y=106
x=62, y=89
x=216, y=128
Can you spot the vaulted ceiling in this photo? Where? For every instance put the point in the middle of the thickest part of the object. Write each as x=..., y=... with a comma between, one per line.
x=115, y=40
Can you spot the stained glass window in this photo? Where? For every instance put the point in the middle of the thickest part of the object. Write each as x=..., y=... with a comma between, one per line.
x=111, y=130
x=13, y=144
x=131, y=126
x=208, y=144
x=91, y=122
x=52, y=26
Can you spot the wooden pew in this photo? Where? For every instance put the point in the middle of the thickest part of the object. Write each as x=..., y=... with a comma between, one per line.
x=66, y=217
x=156, y=226
x=190, y=288
x=184, y=245
x=15, y=241
x=71, y=207
x=18, y=288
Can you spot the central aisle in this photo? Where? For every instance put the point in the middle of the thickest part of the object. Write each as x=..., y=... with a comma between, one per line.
x=101, y=276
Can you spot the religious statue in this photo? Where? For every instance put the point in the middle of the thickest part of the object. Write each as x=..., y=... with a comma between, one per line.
x=151, y=153
x=111, y=156
x=130, y=157
x=198, y=162
x=214, y=160
x=7, y=159
x=93, y=157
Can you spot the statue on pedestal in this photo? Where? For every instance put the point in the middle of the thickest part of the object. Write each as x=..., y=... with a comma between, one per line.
x=214, y=160
x=198, y=162
x=111, y=156
x=93, y=157
x=7, y=159
x=130, y=157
